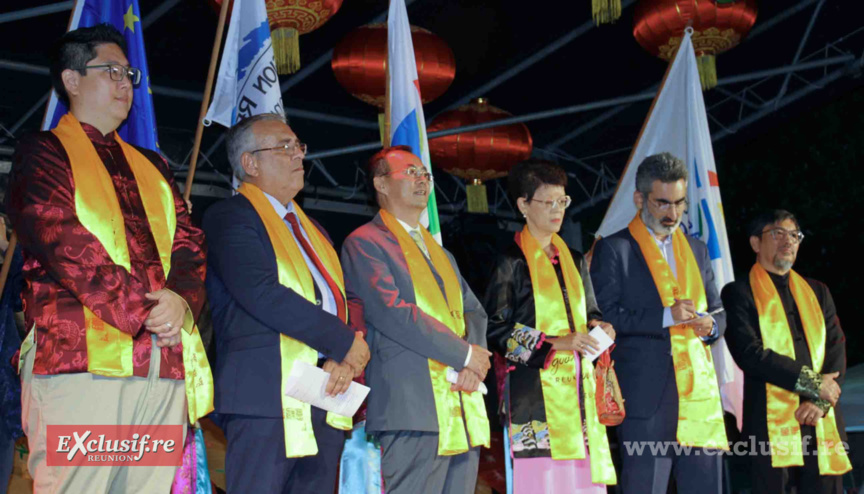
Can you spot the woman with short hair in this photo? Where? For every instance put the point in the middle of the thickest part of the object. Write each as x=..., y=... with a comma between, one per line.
x=541, y=305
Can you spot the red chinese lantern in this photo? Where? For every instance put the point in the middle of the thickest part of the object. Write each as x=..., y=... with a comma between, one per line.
x=481, y=154
x=288, y=20
x=717, y=26
x=360, y=63
x=291, y=18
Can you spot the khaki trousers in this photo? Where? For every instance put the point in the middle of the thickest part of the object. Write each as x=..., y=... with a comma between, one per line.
x=88, y=399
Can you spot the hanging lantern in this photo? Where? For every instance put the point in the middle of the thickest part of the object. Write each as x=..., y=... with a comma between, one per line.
x=360, y=63
x=481, y=154
x=717, y=27
x=605, y=11
x=288, y=20
x=291, y=18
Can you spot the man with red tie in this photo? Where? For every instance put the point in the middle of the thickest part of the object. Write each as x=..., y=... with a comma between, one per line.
x=277, y=295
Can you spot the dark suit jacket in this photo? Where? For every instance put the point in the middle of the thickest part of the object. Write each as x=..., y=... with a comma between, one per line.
x=401, y=337
x=629, y=300
x=762, y=366
x=251, y=310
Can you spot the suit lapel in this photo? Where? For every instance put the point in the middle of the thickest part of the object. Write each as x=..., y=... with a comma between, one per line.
x=394, y=245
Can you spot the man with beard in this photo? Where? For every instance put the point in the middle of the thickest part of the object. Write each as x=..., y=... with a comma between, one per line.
x=656, y=286
x=785, y=335
x=422, y=321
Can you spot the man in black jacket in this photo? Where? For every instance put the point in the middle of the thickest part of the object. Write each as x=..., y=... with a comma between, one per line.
x=784, y=333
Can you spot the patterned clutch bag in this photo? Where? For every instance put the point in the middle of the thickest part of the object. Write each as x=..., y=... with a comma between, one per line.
x=610, y=403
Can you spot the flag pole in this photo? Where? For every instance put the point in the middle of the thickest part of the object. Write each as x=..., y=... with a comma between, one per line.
x=7, y=261
x=208, y=89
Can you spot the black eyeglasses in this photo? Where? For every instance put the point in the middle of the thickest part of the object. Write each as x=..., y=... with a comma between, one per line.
x=779, y=234
x=118, y=72
x=290, y=148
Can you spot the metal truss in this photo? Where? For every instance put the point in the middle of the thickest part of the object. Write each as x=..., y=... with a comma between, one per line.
x=736, y=102
x=737, y=108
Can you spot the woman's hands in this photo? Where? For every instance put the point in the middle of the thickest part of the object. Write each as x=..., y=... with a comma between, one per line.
x=582, y=342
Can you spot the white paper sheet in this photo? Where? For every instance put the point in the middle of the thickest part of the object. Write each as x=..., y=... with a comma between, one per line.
x=307, y=384
x=602, y=338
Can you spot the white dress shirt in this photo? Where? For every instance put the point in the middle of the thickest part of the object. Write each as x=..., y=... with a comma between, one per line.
x=668, y=252
x=328, y=302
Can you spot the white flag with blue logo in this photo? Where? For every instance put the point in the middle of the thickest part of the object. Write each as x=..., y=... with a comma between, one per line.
x=678, y=124
x=248, y=83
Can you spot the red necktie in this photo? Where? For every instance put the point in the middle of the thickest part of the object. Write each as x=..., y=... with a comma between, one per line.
x=334, y=288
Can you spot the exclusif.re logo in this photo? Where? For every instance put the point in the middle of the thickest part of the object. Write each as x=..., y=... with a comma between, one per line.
x=115, y=445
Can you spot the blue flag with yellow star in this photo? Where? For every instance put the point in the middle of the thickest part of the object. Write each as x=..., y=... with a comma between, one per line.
x=140, y=127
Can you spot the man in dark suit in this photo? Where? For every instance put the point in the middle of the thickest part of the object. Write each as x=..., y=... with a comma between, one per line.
x=421, y=318
x=793, y=363
x=656, y=286
x=276, y=294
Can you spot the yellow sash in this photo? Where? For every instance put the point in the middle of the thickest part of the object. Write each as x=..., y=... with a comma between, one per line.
x=560, y=390
x=295, y=274
x=784, y=432
x=700, y=414
x=109, y=350
x=447, y=309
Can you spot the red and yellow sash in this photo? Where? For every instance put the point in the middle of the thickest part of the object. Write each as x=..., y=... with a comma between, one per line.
x=447, y=309
x=560, y=389
x=700, y=414
x=109, y=350
x=784, y=432
x=294, y=274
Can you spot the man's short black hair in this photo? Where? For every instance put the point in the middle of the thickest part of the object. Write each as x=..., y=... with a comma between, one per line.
x=527, y=176
x=76, y=48
x=770, y=217
x=378, y=166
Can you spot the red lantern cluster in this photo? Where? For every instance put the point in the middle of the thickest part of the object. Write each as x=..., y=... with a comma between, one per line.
x=717, y=27
x=360, y=63
x=481, y=154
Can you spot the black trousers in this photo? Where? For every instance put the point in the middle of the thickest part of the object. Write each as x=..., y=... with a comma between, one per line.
x=645, y=471
x=769, y=480
x=255, y=460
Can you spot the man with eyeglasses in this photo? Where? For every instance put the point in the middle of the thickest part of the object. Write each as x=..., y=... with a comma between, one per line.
x=275, y=288
x=655, y=285
x=784, y=333
x=114, y=270
x=422, y=322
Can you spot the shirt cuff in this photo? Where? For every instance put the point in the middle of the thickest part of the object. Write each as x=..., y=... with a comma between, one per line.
x=668, y=322
x=468, y=358
x=712, y=335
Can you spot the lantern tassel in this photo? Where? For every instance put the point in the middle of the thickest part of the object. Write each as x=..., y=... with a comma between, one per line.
x=707, y=71
x=605, y=11
x=286, y=49
x=477, y=201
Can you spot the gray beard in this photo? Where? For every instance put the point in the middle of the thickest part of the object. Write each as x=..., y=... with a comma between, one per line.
x=655, y=225
x=783, y=264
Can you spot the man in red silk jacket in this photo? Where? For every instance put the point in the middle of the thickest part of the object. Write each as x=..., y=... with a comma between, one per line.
x=68, y=271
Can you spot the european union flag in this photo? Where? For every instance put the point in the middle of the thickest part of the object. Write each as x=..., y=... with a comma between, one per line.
x=140, y=127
